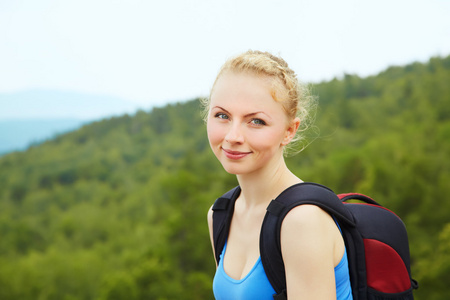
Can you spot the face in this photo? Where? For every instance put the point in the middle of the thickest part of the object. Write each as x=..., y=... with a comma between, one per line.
x=247, y=128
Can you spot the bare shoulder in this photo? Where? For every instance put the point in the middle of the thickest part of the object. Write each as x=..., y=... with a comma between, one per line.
x=310, y=231
x=308, y=244
x=210, y=227
x=309, y=228
x=210, y=217
x=307, y=216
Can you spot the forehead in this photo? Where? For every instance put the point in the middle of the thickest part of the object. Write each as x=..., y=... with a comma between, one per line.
x=243, y=85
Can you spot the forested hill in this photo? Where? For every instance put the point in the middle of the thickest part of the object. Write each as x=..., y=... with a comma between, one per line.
x=117, y=209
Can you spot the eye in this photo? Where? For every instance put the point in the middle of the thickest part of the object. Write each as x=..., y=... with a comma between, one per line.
x=258, y=122
x=221, y=116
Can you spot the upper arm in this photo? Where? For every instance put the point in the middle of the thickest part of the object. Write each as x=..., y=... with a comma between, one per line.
x=307, y=245
x=210, y=226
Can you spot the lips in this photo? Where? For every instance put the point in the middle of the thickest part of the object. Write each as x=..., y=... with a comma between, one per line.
x=235, y=154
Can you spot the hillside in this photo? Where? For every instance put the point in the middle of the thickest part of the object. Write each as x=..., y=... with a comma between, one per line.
x=117, y=209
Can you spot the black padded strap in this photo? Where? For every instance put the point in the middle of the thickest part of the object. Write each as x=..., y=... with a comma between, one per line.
x=223, y=210
x=280, y=296
x=302, y=193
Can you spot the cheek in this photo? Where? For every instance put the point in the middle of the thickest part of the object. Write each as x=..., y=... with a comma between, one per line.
x=214, y=132
x=267, y=140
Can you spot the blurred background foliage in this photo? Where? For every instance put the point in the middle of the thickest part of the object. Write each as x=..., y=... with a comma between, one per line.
x=117, y=209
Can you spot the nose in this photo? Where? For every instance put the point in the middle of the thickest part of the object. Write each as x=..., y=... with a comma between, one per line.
x=234, y=134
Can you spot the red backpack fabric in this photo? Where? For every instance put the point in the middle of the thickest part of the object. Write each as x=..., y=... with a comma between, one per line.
x=375, y=238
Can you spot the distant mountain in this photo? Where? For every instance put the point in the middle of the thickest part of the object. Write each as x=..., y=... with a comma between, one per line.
x=17, y=135
x=33, y=116
x=48, y=104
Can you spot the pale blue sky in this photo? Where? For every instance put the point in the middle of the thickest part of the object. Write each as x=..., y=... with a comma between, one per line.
x=155, y=52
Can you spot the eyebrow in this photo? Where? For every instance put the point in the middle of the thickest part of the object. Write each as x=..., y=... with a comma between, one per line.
x=247, y=115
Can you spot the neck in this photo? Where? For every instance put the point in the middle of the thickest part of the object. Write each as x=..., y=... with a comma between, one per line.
x=259, y=188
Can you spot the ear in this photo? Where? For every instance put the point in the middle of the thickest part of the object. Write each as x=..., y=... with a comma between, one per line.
x=291, y=131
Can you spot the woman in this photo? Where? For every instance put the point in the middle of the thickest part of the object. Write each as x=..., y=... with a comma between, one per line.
x=254, y=112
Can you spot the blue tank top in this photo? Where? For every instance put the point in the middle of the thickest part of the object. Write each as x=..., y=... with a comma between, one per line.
x=256, y=285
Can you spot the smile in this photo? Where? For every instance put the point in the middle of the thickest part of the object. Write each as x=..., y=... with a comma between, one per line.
x=235, y=154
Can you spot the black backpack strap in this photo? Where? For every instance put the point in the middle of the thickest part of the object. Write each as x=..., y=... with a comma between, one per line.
x=223, y=210
x=270, y=245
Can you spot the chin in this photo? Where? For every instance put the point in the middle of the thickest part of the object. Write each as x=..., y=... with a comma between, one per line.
x=232, y=170
x=237, y=169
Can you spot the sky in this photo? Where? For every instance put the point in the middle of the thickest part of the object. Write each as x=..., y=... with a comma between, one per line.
x=150, y=53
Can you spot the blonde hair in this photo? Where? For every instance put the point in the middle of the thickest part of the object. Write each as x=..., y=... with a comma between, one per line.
x=294, y=96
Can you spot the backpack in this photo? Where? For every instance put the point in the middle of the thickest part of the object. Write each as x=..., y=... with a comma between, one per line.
x=375, y=238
